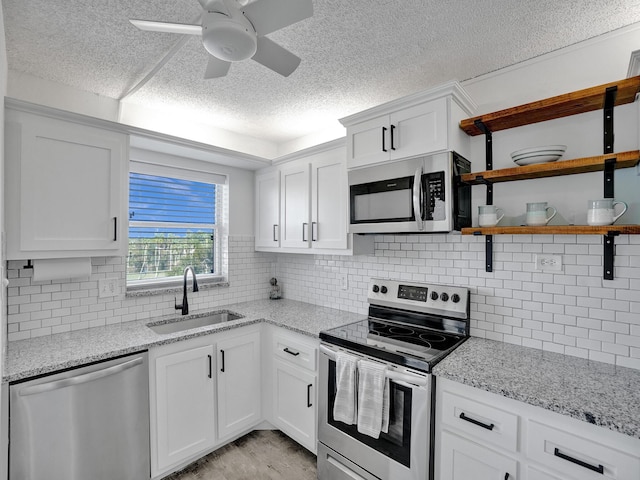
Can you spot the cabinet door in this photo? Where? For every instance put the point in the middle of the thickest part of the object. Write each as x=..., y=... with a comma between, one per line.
x=461, y=459
x=69, y=183
x=294, y=403
x=184, y=399
x=294, y=213
x=368, y=142
x=329, y=201
x=267, y=210
x=239, y=388
x=420, y=130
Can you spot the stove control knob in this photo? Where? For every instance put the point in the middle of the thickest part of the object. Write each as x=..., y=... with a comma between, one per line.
x=383, y=289
x=434, y=295
x=455, y=298
x=376, y=289
x=444, y=297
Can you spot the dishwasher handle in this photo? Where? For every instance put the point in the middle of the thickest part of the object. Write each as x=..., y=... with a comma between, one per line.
x=85, y=378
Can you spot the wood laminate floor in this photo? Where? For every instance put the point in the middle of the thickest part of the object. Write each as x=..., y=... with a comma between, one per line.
x=259, y=455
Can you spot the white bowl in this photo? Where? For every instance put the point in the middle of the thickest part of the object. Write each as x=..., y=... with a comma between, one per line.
x=533, y=159
x=537, y=150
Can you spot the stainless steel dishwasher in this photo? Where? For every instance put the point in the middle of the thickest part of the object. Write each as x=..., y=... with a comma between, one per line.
x=88, y=423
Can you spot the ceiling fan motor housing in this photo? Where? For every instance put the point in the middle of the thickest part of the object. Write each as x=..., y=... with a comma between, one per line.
x=229, y=38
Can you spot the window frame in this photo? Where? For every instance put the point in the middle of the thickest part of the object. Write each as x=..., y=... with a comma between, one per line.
x=220, y=228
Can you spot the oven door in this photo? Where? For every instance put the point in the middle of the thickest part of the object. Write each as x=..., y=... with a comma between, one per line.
x=401, y=454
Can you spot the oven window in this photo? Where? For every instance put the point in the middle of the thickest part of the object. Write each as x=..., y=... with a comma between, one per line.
x=396, y=444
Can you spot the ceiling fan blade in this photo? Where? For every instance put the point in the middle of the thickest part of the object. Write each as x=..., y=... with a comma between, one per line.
x=270, y=15
x=165, y=27
x=275, y=57
x=216, y=68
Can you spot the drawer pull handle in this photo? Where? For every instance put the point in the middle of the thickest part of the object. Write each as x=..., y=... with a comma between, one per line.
x=309, y=404
x=506, y=476
x=209, y=356
x=295, y=354
x=599, y=468
x=476, y=422
x=222, y=353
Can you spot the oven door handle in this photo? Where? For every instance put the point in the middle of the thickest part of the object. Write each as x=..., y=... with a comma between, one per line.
x=406, y=377
x=417, y=195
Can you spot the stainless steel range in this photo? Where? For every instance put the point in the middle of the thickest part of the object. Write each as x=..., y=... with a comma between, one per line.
x=410, y=327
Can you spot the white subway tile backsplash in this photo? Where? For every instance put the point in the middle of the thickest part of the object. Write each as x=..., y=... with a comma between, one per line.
x=46, y=308
x=574, y=312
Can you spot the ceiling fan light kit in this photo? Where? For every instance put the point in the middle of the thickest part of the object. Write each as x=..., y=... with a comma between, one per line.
x=232, y=32
x=227, y=38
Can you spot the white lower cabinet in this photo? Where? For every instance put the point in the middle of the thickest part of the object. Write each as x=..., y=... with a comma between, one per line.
x=295, y=403
x=464, y=460
x=182, y=394
x=292, y=391
x=482, y=435
x=197, y=384
x=239, y=387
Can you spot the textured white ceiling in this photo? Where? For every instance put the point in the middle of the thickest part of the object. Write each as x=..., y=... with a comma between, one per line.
x=355, y=54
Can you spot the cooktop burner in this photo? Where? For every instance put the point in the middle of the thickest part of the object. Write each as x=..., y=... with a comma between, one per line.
x=410, y=324
x=410, y=346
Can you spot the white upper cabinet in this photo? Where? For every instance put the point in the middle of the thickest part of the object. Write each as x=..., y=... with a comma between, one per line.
x=267, y=210
x=66, y=188
x=294, y=205
x=416, y=125
x=329, y=201
x=302, y=205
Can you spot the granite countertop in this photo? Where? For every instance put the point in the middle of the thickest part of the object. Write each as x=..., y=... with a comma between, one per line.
x=37, y=356
x=595, y=392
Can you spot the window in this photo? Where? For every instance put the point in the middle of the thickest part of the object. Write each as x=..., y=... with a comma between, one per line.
x=175, y=220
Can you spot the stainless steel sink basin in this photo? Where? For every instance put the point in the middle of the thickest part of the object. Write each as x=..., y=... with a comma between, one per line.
x=194, y=322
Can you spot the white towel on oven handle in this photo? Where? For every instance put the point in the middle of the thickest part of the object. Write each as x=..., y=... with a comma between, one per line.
x=373, y=398
x=345, y=406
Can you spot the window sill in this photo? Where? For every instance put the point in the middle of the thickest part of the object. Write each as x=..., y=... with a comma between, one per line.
x=175, y=287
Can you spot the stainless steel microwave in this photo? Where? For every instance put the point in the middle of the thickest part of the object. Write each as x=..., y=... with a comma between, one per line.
x=417, y=195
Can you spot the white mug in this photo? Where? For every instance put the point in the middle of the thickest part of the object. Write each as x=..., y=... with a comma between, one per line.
x=489, y=215
x=602, y=212
x=537, y=213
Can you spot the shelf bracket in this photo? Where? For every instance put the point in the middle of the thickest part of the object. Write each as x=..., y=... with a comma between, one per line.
x=609, y=103
x=489, y=253
x=489, y=185
x=488, y=142
x=609, y=253
x=609, y=168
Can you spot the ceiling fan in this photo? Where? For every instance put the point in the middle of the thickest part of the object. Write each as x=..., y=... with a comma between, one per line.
x=233, y=32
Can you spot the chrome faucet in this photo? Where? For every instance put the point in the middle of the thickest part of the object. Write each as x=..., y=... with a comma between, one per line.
x=185, y=306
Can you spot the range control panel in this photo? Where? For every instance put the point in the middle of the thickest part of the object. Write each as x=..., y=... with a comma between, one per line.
x=437, y=299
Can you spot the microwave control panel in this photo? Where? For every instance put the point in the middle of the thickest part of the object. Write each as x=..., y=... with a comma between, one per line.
x=434, y=195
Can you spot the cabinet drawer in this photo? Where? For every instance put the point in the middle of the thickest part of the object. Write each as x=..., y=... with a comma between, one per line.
x=487, y=424
x=579, y=458
x=295, y=351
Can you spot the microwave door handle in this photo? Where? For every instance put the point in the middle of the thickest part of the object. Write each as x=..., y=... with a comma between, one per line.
x=417, y=194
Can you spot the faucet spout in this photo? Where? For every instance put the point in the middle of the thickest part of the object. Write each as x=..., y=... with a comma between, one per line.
x=184, y=307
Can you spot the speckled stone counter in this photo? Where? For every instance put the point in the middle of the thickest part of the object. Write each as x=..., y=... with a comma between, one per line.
x=598, y=393
x=37, y=356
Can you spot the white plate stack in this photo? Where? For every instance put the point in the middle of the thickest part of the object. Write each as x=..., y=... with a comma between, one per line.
x=544, y=154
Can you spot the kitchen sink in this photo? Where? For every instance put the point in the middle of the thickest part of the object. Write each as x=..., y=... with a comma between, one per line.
x=203, y=320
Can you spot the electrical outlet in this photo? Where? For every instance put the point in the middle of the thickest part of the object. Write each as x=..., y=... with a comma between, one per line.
x=107, y=287
x=343, y=280
x=551, y=263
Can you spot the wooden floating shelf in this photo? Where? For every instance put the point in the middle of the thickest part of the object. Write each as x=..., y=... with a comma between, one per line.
x=553, y=169
x=554, y=230
x=564, y=105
